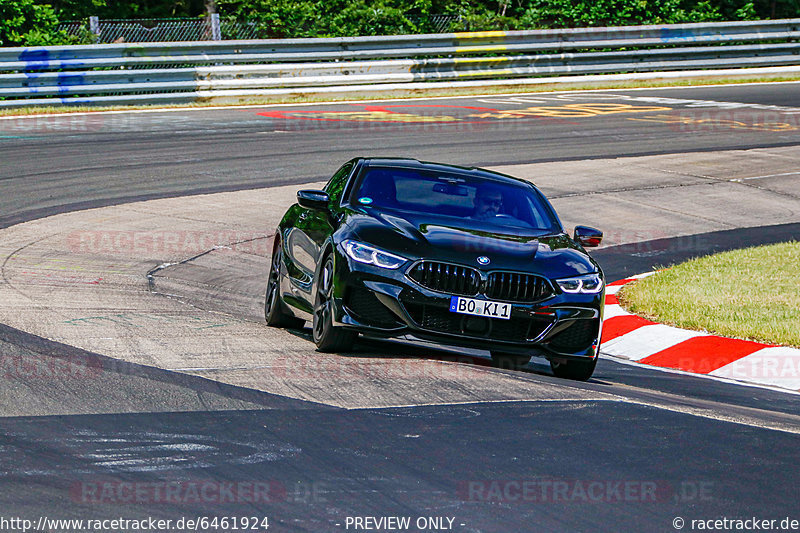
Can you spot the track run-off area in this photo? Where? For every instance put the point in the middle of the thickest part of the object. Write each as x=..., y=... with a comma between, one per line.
x=139, y=380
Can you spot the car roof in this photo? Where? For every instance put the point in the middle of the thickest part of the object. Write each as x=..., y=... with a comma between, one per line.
x=398, y=162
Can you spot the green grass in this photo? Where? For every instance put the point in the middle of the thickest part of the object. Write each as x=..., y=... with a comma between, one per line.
x=411, y=93
x=749, y=294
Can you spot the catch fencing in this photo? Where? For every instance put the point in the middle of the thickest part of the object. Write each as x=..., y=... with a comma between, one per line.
x=111, y=74
x=210, y=28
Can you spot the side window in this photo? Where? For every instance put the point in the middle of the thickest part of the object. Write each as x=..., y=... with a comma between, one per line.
x=336, y=184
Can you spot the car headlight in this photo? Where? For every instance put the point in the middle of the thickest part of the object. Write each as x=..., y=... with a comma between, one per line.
x=587, y=284
x=370, y=255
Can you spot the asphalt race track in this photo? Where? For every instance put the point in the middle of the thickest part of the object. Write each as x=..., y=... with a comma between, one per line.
x=124, y=396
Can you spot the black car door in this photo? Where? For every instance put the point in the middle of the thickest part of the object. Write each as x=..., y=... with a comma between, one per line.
x=311, y=230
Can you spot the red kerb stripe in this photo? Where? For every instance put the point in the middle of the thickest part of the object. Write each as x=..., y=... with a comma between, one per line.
x=620, y=282
x=702, y=355
x=620, y=325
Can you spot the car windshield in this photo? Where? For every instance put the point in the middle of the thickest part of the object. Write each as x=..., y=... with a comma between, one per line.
x=454, y=195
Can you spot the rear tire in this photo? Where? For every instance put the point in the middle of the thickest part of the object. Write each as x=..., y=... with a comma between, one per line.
x=328, y=337
x=511, y=361
x=577, y=370
x=274, y=309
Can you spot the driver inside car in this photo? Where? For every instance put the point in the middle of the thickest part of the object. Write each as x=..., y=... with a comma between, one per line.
x=488, y=202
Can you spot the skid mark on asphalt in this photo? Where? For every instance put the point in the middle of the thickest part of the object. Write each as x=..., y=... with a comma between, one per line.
x=133, y=451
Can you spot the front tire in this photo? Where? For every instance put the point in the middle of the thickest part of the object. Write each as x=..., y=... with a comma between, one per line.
x=328, y=337
x=274, y=311
x=512, y=361
x=577, y=370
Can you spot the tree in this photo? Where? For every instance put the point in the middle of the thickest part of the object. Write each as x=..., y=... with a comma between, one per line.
x=25, y=23
x=110, y=9
x=326, y=18
x=569, y=13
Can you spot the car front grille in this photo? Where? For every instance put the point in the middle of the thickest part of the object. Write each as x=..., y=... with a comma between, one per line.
x=517, y=287
x=466, y=281
x=441, y=319
x=444, y=277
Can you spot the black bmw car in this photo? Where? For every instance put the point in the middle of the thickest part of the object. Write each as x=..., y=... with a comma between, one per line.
x=461, y=256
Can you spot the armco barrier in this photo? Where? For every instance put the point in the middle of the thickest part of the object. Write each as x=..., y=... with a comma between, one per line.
x=186, y=72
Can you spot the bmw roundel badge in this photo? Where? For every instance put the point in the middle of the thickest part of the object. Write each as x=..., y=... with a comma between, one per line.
x=483, y=260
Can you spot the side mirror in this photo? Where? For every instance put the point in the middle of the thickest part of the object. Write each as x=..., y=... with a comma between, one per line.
x=313, y=199
x=588, y=237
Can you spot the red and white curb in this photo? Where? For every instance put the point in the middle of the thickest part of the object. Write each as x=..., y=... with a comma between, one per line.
x=627, y=336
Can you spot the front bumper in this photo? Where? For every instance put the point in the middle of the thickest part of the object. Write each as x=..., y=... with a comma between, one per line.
x=382, y=302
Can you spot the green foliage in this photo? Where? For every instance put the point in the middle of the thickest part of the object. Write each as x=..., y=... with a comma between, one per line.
x=33, y=22
x=747, y=12
x=481, y=16
x=320, y=18
x=487, y=22
x=308, y=18
x=777, y=9
x=78, y=9
x=568, y=13
x=25, y=23
x=110, y=9
x=757, y=9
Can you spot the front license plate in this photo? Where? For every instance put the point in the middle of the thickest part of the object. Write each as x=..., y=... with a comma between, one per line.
x=470, y=306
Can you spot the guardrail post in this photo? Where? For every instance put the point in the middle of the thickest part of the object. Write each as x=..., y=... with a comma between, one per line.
x=216, y=31
x=94, y=26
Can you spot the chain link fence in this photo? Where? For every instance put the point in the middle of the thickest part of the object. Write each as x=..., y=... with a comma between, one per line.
x=437, y=23
x=159, y=30
x=197, y=29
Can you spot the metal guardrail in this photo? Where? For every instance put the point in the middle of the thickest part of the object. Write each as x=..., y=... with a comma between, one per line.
x=185, y=72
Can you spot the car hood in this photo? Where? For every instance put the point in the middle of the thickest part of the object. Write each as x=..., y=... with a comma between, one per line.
x=462, y=241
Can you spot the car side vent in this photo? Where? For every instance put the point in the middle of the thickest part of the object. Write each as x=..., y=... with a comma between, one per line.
x=517, y=287
x=579, y=335
x=444, y=277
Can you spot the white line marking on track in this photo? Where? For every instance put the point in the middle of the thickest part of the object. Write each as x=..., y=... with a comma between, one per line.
x=370, y=102
x=479, y=402
x=766, y=176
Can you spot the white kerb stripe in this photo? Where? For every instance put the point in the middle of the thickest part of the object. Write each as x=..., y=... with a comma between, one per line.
x=613, y=310
x=613, y=289
x=647, y=340
x=778, y=366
